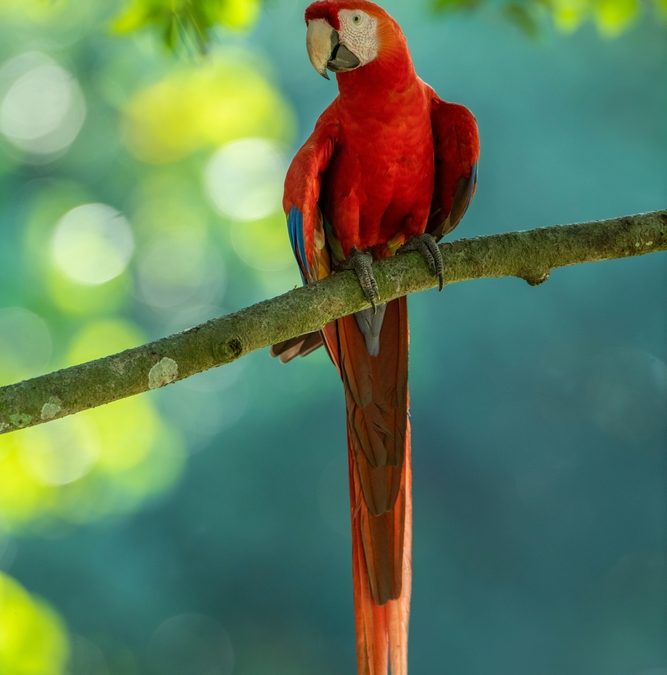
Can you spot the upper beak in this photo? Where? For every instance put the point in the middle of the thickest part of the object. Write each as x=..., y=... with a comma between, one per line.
x=326, y=51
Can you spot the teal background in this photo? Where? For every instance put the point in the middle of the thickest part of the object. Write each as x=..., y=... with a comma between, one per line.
x=539, y=414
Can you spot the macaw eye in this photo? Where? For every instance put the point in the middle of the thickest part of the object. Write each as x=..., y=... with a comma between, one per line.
x=356, y=18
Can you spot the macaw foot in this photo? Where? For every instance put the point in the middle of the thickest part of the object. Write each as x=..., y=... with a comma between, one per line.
x=430, y=251
x=362, y=265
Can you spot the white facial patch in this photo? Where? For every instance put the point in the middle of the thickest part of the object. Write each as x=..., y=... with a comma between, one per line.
x=358, y=32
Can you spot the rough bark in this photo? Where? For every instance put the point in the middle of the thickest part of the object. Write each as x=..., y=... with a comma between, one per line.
x=530, y=255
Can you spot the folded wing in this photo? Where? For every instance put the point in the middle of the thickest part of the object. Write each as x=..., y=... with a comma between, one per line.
x=456, y=145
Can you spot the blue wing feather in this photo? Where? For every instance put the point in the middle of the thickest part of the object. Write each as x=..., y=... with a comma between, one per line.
x=295, y=229
x=302, y=193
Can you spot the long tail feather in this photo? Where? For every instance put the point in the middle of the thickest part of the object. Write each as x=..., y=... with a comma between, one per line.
x=382, y=630
x=379, y=452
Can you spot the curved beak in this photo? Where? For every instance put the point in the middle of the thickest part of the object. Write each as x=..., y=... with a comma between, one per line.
x=326, y=51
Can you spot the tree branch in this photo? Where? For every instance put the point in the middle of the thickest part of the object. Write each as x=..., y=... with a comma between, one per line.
x=530, y=255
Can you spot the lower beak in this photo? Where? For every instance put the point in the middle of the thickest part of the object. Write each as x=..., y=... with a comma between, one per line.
x=326, y=51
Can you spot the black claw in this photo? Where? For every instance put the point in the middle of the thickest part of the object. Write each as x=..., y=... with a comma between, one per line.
x=430, y=251
x=362, y=264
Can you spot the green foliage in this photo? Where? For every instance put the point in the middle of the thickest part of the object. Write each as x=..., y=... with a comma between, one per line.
x=190, y=22
x=33, y=640
x=611, y=17
x=120, y=235
x=94, y=258
x=75, y=306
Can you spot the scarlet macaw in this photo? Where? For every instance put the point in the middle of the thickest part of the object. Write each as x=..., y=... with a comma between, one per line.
x=389, y=167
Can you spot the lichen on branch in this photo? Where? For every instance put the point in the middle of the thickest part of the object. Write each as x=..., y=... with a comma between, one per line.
x=529, y=255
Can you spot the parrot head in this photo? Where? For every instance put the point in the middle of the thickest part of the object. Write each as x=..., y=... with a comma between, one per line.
x=344, y=35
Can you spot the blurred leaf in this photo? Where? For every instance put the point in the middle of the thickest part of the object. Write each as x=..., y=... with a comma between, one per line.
x=133, y=18
x=189, y=22
x=568, y=15
x=614, y=16
x=40, y=10
x=171, y=33
x=33, y=640
x=456, y=4
x=90, y=466
x=197, y=108
x=524, y=17
x=238, y=14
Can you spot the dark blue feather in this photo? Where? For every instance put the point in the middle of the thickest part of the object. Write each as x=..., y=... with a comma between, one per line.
x=295, y=229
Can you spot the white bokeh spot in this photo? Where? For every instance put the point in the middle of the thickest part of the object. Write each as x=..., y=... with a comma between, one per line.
x=92, y=244
x=244, y=179
x=65, y=454
x=42, y=107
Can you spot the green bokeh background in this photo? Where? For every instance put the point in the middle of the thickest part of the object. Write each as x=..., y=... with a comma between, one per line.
x=203, y=529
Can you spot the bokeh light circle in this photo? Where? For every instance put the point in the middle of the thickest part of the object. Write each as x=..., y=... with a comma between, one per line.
x=33, y=638
x=63, y=453
x=25, y=343
x=244, y=179
x=92, y=244
x=264, y=245
x=43, y=108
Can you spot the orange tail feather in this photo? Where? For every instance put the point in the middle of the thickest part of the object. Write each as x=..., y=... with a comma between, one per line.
x=382, y=630
x=379, y=452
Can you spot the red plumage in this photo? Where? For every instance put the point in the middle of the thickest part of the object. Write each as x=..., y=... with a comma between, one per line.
x=387, y=161
x=324, y=10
